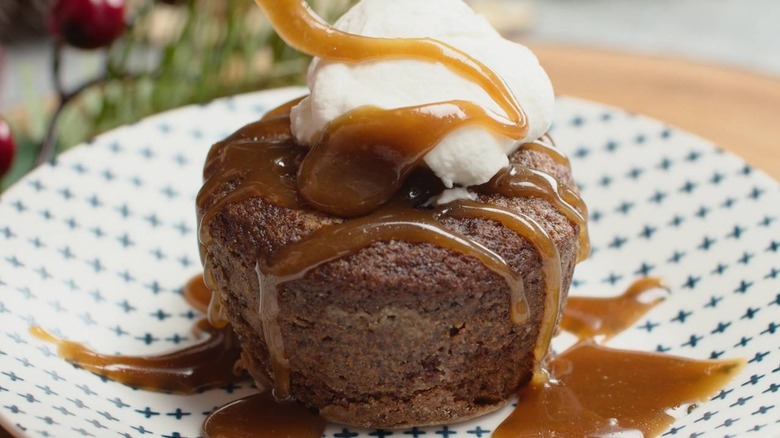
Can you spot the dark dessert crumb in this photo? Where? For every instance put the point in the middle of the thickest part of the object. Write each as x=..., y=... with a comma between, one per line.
x=399, y=333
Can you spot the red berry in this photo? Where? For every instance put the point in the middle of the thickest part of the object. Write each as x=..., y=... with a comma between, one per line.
x=88, y=24
x=7, y=148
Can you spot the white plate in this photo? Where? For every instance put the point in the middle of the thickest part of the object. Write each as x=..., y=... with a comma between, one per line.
x=97, y=247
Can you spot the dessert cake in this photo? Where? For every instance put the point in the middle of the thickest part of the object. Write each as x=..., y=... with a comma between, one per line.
x=360, y=279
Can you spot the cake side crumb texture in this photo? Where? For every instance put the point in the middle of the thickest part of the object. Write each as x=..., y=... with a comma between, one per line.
x=400, y=333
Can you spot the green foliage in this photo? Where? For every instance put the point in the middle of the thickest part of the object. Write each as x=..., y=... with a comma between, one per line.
x=171, y=56
x=212, y=48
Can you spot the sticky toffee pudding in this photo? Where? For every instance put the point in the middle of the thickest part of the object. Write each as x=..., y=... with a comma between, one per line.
x=335, y=280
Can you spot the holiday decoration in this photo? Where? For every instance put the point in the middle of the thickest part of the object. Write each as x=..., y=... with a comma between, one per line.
x=7, y=148
x=88, y=24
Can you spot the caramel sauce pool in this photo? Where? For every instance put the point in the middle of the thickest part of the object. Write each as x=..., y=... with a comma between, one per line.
x=208, y=364
x=197, y=294
x=596, y=391
x=262, y=416
x=603, y=318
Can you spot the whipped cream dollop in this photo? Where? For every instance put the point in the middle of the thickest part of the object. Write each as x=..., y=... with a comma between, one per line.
x=468, y=156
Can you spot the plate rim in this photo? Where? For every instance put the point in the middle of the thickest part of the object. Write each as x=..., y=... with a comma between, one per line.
x=756, y=173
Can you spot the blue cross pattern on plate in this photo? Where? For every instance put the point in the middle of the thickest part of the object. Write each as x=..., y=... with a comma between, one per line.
x=97, y=246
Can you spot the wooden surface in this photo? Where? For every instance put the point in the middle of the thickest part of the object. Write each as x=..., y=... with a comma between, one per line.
x=737, y=110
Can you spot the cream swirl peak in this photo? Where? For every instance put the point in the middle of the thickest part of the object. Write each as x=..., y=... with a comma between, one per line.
x=471, y=154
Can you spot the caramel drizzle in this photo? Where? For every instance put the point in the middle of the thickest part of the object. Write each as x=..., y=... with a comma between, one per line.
x=521, y=182
x=598, y=391
x=600, y=319
x=240, y=152
x=255, y=178
x=235, y=161
x=197, y=294
x=417, y=226
x=215, y=311
x=262, y=416
x=303, y=30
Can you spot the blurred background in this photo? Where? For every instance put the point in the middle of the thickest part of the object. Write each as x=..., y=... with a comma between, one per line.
x=153, y=55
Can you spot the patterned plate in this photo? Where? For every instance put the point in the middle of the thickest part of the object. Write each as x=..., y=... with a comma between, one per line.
x=97, y=247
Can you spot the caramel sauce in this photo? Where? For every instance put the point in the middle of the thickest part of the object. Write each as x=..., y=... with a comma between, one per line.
x=602, y=318
x=595, y=391
x=358, y=165
x=216, y=314
x=368, y=153
x=303, y=30
x=519, y=182
x=197, y=294
x=209, y=364
x=262, y=416
x=235, y=159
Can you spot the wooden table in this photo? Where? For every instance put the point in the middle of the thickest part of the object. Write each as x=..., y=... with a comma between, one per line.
x=737, y=110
